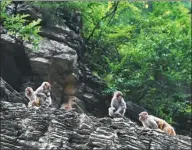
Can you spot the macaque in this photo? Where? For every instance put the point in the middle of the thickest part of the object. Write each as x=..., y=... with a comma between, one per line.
x=44, y=90
x=153, y=122
x=33, y=100
x=118, y=105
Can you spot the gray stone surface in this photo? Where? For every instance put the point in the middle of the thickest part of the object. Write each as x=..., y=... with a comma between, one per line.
x=51, y=128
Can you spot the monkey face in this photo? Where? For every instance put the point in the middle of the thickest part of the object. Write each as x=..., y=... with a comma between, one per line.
x=118, y=95
x=143, y=115
x=47, y=86
x=28, y=91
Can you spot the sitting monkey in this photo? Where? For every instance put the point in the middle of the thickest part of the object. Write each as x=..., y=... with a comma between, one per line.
x=44, y=91
x=33, y=100
x=118, y=105
x=153, y=122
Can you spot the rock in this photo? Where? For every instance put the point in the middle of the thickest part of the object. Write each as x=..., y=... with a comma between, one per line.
x=7, y=92
x=15, y=64
x=40, y=72
x=56, y=63
x=133, y=110
x=51, y=128
x=33, y=12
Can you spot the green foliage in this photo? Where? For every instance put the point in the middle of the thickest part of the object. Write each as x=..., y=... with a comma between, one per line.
x=18, y=26
x=143, y=52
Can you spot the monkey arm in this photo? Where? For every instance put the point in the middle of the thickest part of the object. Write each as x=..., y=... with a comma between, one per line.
x=153, y=123
x=38, y=90
x=144, y=126
x=112, y=107
x=122, y=106
x=41, y=95
x=120, y=109
x=111, y=111
x=112, y=103
x=49, y=100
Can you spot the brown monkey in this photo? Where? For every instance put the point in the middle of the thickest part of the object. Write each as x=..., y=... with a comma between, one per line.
x=44, y=90
x=33, y=100
x=117, y=104
x=156, y=123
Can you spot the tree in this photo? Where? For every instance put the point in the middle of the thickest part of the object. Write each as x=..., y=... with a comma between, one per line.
x=18, y=27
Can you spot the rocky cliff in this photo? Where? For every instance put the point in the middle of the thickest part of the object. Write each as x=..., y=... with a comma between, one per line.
x=56, y=61
x=52, y=128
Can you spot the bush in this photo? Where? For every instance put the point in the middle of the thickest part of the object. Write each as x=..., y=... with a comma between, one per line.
x=18, y=26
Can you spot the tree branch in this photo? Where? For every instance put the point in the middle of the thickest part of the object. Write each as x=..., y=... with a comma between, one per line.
x=103, y=18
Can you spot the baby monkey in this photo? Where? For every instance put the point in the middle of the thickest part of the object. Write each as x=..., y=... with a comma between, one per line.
x=156, y=123
x=33, y=100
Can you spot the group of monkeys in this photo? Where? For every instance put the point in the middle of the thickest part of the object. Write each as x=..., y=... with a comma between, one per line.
x=117, y=107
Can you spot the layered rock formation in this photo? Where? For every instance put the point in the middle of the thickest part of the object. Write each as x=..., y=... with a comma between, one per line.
x=52, y=128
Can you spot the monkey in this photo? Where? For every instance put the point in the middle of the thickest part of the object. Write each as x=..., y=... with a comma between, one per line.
x=44, y=90
x=117, y=104
x=153, y=122
x=164, y=126
x=33, y=100
x=147, y=120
